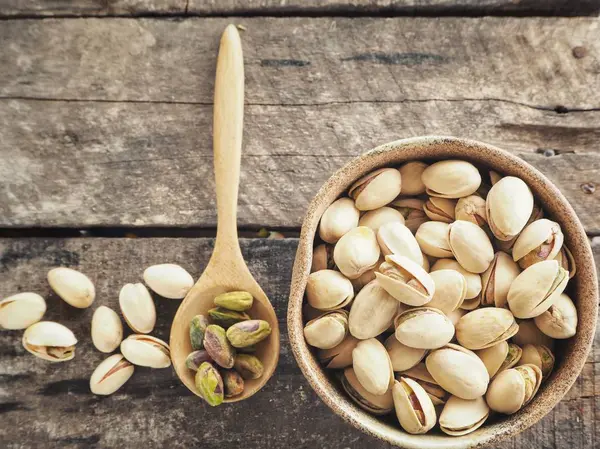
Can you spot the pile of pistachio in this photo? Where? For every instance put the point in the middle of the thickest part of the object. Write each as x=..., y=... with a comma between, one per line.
x=438, y=292
x=55, y=342
x=223, y=344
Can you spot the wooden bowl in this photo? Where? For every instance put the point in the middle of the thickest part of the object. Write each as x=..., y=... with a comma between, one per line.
x=570, y=354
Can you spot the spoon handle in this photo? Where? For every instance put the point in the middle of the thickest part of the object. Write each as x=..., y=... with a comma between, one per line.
x=227, y=134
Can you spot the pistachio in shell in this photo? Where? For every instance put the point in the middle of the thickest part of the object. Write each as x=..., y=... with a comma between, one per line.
x=424, y=328
x=374, y=219
x=225, y=317
x=450, y=290
x=218, y=347
x=239, y=301
x=375, y=404
x=376, y=189
x=509, y=205
x=414, y=408
x=209, y=384
x=107, y=329
x=328, y=290
x=497, y=279
x=539, y=241
x=233, y=383
x=451, y=179
x=248, y=333
x=405, y=280
x=566, y=260
x=50, y=341
x=540, y=356
x=501, y=356
x=322, y=258
x=470, y=246
x=110, y=375
x=432, y=237
x=137, y=308
x=419, y=374
x=21, y=310
x=411, y=172
x=507, y=245
x=440, y=209
x=461, y=416
x=403, y=357
x=472, y=209
x=372, y=312
x=473, y=279
x=372, y=366
x=74, y=287
x=145, y=350
x=340, y=217
x=395, y=238
x=412, y=211
x=471, y=304
x=196, y=358
x=339, y=356
x=513, y=388
x=485, y=327
x=530, y=334
x=198, y=327
x=356, y=252
x=560, y=320
x=328, y=330
x=249, y=366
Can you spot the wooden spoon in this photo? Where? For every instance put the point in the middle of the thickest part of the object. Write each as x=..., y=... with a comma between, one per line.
x=226, y=270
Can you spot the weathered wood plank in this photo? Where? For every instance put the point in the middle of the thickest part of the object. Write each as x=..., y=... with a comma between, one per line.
x=48, y=8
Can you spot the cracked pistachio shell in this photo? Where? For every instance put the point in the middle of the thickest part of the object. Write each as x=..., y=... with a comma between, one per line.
x=403, y=357
x=566, y=260
x=328, y=290
x=356, y=252
x=376, y=189
x=197, y=358
x=327, y=331
x=412, y=211
x=461, y=416
x=420, y=375
x=540, y=356
x=560, y=320
x=198, y=327
x=248, y=333
x=499, y=357
x=238, y=301
x=249, y=366
x=485, y=327
x=74, y=287
x=50, y=341
x=539, y=241
x=395, y=238
x=470, y=246
x=372, y=366
x=513, y=388
x=372, y=312
x=375, y=219
x=233, y=383
x=451, y=179
x=536, y=289
x=225, y=317
x=322, y=258
x=218, y=347
x=509, y=205
x=497, y=279
x=440, y=209
x=405, y=280
x=145, y=350
x=458, y=371
x=472, y=209
x=209, y=384
x=107, y=330
x=137, y=308
x=376, y=404
x=168, y=280
x=432, y=237
x=530, y=334
x=450, y=290
x=411, y=172
x=424, y=328
x=21, y=310
x=414, y=408
x=339, y=356
x=456, y=315
x=340, y=217
x=110, y=375
x=473, y=279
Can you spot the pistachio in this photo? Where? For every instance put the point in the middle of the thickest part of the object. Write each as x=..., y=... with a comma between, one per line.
x=412, y=211
x=395, y=238
x=458, y=371
x=486, y=327
x=462, y=416
x=107, y=330
x=472, y=209
x=376, y=404
x=198, y=327
x=471, y=246
x=249, y=366
x=403, y=357
x=372, y=311
x=456, y=315
x=513, y=388
x=566, y=260
x=376, y=189
x=218, y=347
x=414, y=408
x=137, y=308
x=322, y=258
x=374, y=219
x=540, y=356
x=530, y=334
x=238, y=301
x=405, y=280
x=424, y=328
x=536, y=289
x=420, y=375
x=75, y=288
x=499, y=357
x=110, y=375
x=233, y=384
x=372, y=366
x=451, y=179
x=473, y=279
x=450, y=290
x=356, y=252
x=496, y=280
x=560, y=320
x=209, y=384
x=509, y=205
x=340, y=217
x=507, y=245
x=440, y=209
x=432, y=237
x=328, y=290
x=471, y=304
x=226, y=318
x=339, y=356
x=145, y=350
x=168, y=280
x=196, y=358
x=539, y=241
x=21, y=310
x=360, y=282
x=248, y=333
x=50, y=341
x=411, y=172
x=327, y=331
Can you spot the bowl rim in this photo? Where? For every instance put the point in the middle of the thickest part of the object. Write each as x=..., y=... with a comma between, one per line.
x=342, y=405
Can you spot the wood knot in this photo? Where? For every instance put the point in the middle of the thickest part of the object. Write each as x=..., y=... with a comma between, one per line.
x=588, y=188
x=579, y=52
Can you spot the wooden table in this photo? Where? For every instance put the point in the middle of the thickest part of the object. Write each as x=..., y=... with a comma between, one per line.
x=105, y=134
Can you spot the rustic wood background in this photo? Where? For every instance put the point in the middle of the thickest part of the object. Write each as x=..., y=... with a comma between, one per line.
x=105, y=133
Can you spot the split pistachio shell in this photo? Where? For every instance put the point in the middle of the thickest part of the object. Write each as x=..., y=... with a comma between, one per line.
x=110, y=375
x=376, y=189
x=456, y=315
x=419, y=374
x=513, y=388
x=137, y=308
x=356, y=252
x=451, y=179
x=536, y=289
x=440, y=209
x=472, y=209
x=328, y=290
x=238, y=301
x=471, y=246
x=403, y=357
x=462, y=416
x=376, y=404
x=405, y=280
x=539, y=241
x=74, y=287
x=395, y=238
x=145, y=350
x=450, y=290
x=499, y=357
x=411, y=172
x=509, y=205
x=328, y=330
x=374, y=219
x=424, y=328
x=497, y=279
x=340, y=217
x=372, y=312
x=339, y=356
x=432, y=237
x=540, y=356
x=412, y=211
x=21, y=310
x=458, y=371
x=566, y=260
x=322, y=258
x=50, y=341
x=414, y=408
x=107, y=330
x=530, y=334
x=168, y=280
x=485, y=327
x=473, y=279
x=372, y=366
x=560, y=320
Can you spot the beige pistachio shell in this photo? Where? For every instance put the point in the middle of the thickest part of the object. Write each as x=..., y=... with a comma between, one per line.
x=540, y=356
x=372, y=366
x=451, y=179
x=356, y=252
x=450, y=290
x=497, y=279
x=405, y=280
x=473, y=279
x=74, y=287
x=499, y=357
x=375, y=404
x=424, y=328
x=339, y=356
x=328, y=290
x=50, y=341
x=340, y=217
x=403, y=357
x=513, y=388
x=536, y=289
x=414, y=408
x=372, y=311
x=110, y=375
x=419, y=374
x=471, y=304
x=440, y=209
x=461, y=416
x=328, y=330
x=375, y=219
x=472, y=209
x=539, y=241
x=376, y=189
x=530, y=334
x=485, y=327
x=560, y=320
x=395, y=238
x=137, y=308
x=107, y=330
x=412, y=211
x=145, y=350
x=432, y=237
x=456, y=315
x=322, y=258
x=411, y=172
x=168, y=280
x=509, y=205
x=566, y=260
x=21, y=310
x=470, y=246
